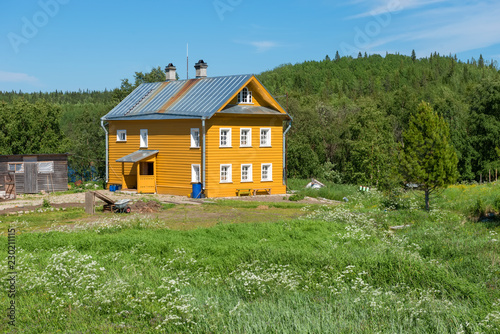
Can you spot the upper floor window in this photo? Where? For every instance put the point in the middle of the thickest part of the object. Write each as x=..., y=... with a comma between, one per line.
x=144, y=137
x=245, y=96
x=195, y=137
x=225, y=138
x=121, y=135
x=265, y=137
x=245, y=137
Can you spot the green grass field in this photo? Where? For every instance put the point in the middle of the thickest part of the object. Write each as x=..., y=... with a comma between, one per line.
x=336, y=269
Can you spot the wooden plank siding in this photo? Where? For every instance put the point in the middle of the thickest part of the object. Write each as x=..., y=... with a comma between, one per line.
x=236, y=155
x=260, y=97
x=172, y=138
x=173, y=163
x=56, y=181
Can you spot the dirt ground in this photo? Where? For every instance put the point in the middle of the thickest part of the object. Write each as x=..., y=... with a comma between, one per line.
x=32, y=202
x=186, y=213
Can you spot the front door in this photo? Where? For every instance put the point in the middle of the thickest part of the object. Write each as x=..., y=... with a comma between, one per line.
x=30, y=178
x=146, y=178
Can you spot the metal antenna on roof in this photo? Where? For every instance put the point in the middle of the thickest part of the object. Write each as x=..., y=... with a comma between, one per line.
x=187, y=61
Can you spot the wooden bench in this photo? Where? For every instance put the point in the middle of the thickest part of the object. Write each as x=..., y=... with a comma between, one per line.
x=246, y=191
x=266, y=190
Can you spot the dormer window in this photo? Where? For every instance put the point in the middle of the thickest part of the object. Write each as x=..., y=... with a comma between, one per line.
x=245, y=96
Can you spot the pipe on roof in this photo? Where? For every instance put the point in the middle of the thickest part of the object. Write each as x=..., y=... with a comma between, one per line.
x=107, y=149
x=203, y=152
x=284, y=152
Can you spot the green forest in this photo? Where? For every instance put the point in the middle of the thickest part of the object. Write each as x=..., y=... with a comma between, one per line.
x=349, y=116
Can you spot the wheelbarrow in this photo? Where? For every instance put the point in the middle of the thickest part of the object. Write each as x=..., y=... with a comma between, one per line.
x=122, y=206
x=119, y=206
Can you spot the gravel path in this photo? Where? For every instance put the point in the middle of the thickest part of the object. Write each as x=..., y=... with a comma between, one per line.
x=28, y=200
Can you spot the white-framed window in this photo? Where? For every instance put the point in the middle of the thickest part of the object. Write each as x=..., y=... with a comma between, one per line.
x=195, y=138
x=226, y=175
x=16, y=167
x=225, y=137
x=245, y=137
x=195, y=173
x=246, y=173
x=45, y=167
x=266, y=172
x=144, y=138
x=121, y=135
x=265, y=137
x=245, y=96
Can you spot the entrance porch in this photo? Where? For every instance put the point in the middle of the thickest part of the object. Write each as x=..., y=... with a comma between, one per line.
x=139, y=171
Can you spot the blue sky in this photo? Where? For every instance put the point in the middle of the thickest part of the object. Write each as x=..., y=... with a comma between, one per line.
x=70, y=44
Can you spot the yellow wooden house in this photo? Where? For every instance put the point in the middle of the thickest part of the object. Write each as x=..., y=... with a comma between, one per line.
x=209, y=136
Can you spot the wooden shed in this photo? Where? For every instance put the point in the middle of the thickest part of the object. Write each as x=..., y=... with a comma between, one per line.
x=37, y=172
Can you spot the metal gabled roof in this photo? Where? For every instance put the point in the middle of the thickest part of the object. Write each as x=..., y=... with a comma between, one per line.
x=194, y=98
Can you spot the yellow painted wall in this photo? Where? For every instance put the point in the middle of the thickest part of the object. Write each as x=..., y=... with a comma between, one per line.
x=236, y=155
x=172, y=138
x=260, y=97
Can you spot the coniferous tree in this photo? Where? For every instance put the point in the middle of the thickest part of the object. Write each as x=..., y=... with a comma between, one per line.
x=427, y=158
x=337, y=56
x=480, y=62
x=413, y=55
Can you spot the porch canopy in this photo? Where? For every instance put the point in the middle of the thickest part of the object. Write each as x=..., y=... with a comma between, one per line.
x=138, y=156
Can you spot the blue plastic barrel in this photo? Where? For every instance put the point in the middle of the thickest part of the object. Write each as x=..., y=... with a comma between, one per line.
x=112, y=188
x=196, y=190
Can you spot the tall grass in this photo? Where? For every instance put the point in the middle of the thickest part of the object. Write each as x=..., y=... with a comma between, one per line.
x=333, y=270
x=332, y=191
x=336, y=269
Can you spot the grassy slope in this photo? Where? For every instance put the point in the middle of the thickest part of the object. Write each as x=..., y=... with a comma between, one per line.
x=335, y=270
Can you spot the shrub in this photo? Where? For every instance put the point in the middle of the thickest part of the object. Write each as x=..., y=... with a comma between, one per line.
x=296, y=197
x=46, y=203
x=496, y=203
x=478, y=209
x=397, y=199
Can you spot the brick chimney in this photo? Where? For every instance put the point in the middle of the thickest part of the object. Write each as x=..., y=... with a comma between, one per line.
x=170, y=72
x=201, y=69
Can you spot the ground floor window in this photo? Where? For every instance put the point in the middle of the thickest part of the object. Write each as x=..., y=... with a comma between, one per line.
x=16, y=167
x=266, y=172
x=246, y=173
x=225, y=173
x=195, y=173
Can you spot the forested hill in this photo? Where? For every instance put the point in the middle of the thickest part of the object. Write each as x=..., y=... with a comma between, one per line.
x=348, y=113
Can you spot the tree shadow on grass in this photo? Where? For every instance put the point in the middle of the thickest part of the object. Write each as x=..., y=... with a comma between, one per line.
x=490, y=220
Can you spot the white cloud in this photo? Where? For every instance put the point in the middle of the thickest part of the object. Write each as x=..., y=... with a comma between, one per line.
x=261, y=46
x=462, y=29
x=17, y=77
x=452, y=28
x=392, y=6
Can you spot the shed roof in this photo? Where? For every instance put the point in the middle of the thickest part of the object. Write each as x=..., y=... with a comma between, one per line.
x=137, y=156
x=193, y=98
